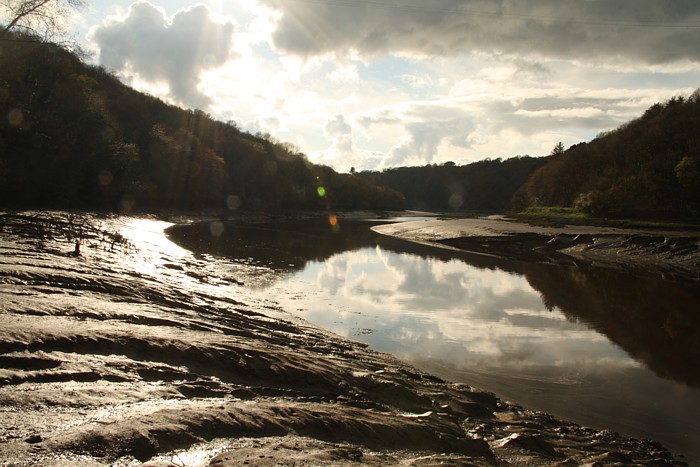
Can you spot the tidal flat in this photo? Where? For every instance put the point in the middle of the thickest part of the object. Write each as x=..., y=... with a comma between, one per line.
x=132, y=350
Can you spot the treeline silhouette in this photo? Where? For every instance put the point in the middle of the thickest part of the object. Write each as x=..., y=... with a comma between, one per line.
x=484, y=186
x=649, y=167
x=73, y=136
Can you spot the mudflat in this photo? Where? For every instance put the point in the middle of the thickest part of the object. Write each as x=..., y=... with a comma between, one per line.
x=128, y=350
x=670, y=252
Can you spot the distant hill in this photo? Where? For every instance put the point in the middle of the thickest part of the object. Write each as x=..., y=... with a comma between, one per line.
x=73, y=136
x=649, y=167
x=484, y=186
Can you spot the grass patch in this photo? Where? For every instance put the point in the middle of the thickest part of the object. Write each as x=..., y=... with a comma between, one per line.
x=555, y=212
x=559, y=216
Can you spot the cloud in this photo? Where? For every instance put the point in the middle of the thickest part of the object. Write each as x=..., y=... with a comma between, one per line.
x=340, y=133
x=176, y=51
x=431, y=128
x=499, y=112
x=531, y=111
x=648, y=31
x=418, y=81
x=419, y=146
x=343, y=153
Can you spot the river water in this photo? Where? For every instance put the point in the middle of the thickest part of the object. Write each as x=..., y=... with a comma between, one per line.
x=597, y=347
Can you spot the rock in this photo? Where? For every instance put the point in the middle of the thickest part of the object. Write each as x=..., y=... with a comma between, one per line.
x=535, y=444
x=33, y=439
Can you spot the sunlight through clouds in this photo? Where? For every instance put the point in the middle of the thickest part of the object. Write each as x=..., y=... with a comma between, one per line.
x=148, y=44
x=417, y=83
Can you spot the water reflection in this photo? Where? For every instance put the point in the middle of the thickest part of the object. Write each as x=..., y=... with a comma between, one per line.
x=446, y=310
x=655, y=320
x=494, y=310
x=283, y=246
x=572, y=341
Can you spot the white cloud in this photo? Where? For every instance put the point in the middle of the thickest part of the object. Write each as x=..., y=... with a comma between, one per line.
x=344, y=72
x=422, y=81
x=338, y=130
x=420, y=144
x=566, y=113
x=343, y=154
x=153, y=47
x=415, y=82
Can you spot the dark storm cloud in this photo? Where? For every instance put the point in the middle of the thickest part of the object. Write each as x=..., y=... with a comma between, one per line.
x=174, y=51
x=648, y=31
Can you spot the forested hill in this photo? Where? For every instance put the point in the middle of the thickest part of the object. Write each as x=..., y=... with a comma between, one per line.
x=484, y=186
x=649, y=167
x=73, y=136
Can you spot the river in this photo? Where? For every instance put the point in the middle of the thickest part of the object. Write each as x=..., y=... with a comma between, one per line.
x=597, y=347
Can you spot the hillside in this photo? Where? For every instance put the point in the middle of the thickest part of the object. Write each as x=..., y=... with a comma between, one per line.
x=75, y=137
x=649, y=167
x=484, y=186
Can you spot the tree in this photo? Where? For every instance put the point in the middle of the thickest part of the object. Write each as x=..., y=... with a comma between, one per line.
x=688, y=176
x=40, y=19
x=558, y=149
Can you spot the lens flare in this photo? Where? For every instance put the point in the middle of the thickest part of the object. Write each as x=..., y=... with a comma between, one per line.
x=321, y=192
x=105, y=177
x=216, y=228
x=333, y=221
x=127, y=204
x=456, y=201
x=15, y=117
x=233, y=202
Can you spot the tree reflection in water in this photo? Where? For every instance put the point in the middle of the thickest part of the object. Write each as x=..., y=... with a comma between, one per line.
x=654, y=320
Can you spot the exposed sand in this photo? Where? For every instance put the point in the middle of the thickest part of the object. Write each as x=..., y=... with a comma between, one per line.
x=149, y=354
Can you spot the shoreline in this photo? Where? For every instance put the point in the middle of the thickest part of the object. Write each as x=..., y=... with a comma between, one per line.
x=144, y=356
x=670, y=253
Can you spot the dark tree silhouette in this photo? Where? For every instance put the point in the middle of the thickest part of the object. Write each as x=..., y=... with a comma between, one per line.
x=73, y=136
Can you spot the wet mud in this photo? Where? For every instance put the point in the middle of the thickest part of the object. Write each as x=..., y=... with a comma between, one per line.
x=135, y=351
x=671, y=254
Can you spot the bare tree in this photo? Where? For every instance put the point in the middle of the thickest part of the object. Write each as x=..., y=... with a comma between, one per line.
x=40, y=19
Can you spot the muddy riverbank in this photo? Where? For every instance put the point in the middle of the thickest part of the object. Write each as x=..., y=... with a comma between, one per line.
x=673, y=254
x=130, y=350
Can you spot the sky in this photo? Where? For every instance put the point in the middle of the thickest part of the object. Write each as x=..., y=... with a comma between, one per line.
x=373, y=84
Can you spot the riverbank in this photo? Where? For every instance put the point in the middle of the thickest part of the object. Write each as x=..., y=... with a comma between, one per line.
x=131, y=350
x=672, y=253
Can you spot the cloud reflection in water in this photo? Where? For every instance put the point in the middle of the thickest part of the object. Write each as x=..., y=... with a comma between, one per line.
x=425, y=308
x=599, y=347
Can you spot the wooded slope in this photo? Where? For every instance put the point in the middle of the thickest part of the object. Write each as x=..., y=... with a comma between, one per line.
x=73, y=136
x=649, y=167
x=483, y=186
